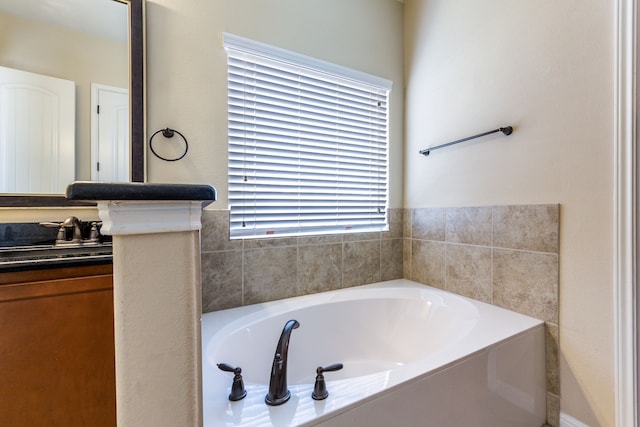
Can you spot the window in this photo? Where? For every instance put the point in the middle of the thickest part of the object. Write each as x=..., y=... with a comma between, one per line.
x=308, y=144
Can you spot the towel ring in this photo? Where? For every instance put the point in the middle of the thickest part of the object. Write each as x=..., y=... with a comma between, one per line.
x=168, y=133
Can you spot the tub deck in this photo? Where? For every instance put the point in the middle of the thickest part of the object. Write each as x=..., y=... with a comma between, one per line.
x=410, y=351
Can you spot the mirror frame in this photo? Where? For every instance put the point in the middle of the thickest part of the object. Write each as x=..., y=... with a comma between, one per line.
x=137, y=118
x=137, y=61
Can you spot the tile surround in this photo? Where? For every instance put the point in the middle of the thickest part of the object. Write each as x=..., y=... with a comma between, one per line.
x=472, y=226
x=261, y=270
x=468, y=271
x=528, y=227
x=502, y=255
x=428, y=262
x=526, y=282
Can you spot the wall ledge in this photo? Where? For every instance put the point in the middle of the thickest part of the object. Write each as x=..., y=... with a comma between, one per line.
x=147, y=217
x=143, y=208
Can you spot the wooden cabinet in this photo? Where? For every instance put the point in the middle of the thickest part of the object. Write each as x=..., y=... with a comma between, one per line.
x=57, y=363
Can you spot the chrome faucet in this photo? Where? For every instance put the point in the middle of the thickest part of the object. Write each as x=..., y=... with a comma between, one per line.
x=62, y=238
x=278, y=391
x=74, y=222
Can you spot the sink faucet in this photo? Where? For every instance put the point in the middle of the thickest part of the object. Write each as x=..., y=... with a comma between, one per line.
x=70, y=223
x=74, y=222
x=278, y=391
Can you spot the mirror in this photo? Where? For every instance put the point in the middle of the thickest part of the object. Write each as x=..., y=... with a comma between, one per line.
x=129, y=22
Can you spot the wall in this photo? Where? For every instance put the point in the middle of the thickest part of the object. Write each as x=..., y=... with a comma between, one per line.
x=545, y=68
x=55, y=51
x=186, y=77
x=47, y=214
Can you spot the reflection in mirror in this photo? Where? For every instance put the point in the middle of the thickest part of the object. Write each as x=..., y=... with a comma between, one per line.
x=83, y=42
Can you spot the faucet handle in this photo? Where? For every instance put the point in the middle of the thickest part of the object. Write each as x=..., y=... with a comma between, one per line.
x=50, y=224
x=228, y=368
x=94, y=233
x=62, y=232
x=320, y=387
x=237, y=387
x=330, y=368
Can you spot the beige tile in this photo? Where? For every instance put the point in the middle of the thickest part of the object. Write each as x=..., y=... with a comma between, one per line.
x=391, y=259
x=407, y=221
x=215, y=232
x=551, y=356
x=553, y=410
x=469, y=271
x=269, y=274
x=526, y=227
x=469, y=225
x=428, y=263
x=319, y=268
x=428, y=224
x=396, y=224
x=361, y=237
x=319, y=239
x=361, y=263
x=270, y=242
x=221, y=280
x=526, y=282
x=406, y=259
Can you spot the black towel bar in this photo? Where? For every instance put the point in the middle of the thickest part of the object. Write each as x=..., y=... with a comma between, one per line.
x=507, y=130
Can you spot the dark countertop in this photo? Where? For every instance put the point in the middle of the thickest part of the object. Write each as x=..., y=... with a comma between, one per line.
x=28, y=246
x=38, y=257
x=30, y=265
x=105, y=191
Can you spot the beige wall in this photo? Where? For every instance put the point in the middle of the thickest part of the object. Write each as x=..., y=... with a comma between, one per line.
x=47, y=214
x=186, y=78
x=547, y=69
x=54, y=51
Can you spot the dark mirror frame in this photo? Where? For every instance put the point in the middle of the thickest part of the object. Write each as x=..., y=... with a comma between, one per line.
x=137, y=63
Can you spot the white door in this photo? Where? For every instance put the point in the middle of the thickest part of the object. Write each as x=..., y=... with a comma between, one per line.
x=37, y=132
x=109, y=134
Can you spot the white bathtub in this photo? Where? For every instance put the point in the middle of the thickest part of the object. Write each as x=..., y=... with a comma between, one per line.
x=413, y=356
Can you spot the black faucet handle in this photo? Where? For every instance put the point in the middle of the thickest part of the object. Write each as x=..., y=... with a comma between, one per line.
x=320, y=387
x=331, y=368
x=228, y=368
x=238, y=391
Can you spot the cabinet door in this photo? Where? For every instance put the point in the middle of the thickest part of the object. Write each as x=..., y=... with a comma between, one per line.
x=57, y=353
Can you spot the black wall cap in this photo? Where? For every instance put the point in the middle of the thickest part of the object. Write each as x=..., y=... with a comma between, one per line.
x=105, y=191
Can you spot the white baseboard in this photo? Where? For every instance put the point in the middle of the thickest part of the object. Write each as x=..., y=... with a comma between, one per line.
x=569, y=421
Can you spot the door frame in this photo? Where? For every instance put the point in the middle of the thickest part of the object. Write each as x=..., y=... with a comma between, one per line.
x=95, y=88
x=625, y=219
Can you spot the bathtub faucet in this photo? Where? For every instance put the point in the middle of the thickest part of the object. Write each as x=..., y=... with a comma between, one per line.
x=278, y=391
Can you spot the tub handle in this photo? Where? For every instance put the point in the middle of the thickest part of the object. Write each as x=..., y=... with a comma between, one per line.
x=320, y=388
x=237, y=388
x=330, y=368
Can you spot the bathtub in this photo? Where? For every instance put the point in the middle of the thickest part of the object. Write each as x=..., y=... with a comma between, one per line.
x=413, y=356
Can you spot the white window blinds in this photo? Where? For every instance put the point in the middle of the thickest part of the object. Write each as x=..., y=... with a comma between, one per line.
x=307, y=144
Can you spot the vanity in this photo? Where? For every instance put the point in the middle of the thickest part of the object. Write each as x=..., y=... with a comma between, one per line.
x=56, y=329
x=58, y=350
